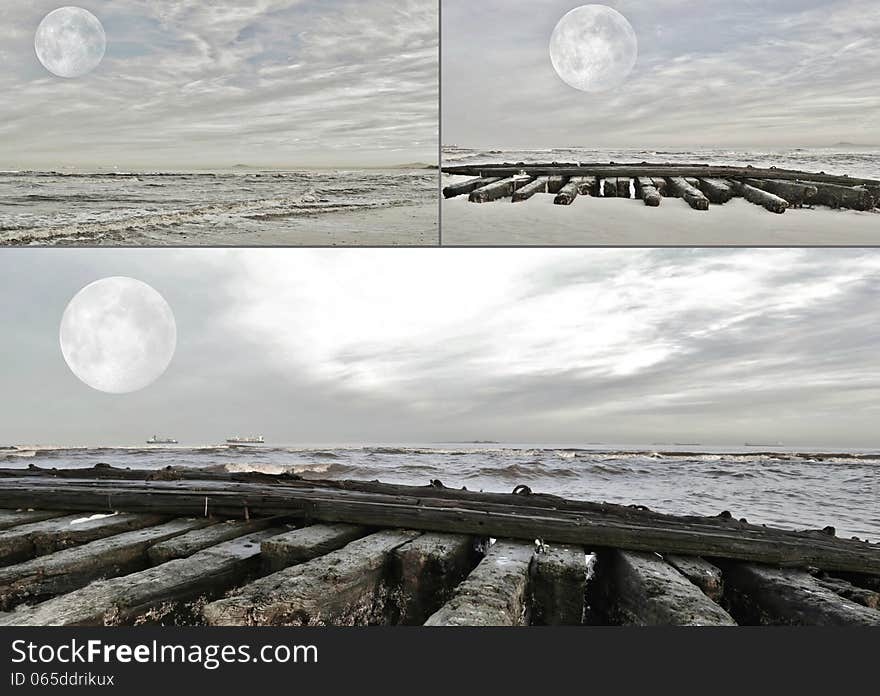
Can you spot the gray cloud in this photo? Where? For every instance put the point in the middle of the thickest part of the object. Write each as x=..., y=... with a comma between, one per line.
x=336, y=346
x=270, y=82
x=748, y=73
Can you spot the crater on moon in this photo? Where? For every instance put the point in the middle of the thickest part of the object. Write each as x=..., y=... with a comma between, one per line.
x=594, y=48
x=70, y=42
x=118, y=335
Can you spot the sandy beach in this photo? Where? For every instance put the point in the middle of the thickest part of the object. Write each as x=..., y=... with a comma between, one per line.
x=620, y=222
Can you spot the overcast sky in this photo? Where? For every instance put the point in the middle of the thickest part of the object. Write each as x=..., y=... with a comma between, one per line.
x=366, y=346
x=192, y=83
x=730, y=73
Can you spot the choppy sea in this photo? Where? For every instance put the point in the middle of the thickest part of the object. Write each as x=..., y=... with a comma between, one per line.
x=221, y=208
x=772, y=485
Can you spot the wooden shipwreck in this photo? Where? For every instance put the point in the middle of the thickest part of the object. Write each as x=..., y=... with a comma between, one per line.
x=109, y=546
x=699, y=185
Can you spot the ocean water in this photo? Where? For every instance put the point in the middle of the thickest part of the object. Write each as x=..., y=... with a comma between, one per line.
x=856, y=162
x=221, y=208
x=797, y=489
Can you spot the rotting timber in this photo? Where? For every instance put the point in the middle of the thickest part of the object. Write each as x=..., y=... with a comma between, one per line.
x=205, y=547
x=699, y=185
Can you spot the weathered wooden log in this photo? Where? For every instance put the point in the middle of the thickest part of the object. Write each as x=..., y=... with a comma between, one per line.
x=661, y=185
x=700, y=171
x=539, y=185
x=795, y=193
x=556, y=183
x=623, y=187
x=641, y=589
x=836, y=196
x=586, y=185
x=495, y=593
x=346, y=587
x=772, y=596
x=426, y=571
x=718, y=191
x=609, y=187
x=40, y=538
x=558, y=585
x=153, y=593
x=466, y=187
x=567, y=195
x=693, y=196
x=301, y=545
x=868, y=582
x=700, y=572
x=854, y=593
x=13, y=518
x=74, y=567
x=765, y=199
x=554, y=519
x=646, y=190
x=200, y=539
x=500, y=189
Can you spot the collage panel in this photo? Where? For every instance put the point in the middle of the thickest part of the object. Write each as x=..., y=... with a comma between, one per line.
x=229, y=123
x=660, y=123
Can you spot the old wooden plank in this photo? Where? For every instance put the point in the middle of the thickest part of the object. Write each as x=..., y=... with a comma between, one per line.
x=773, y=596
x=71, y=568
x=426, y=571
x=586, y=185
x=558, y=584
x=539, y=185
x=692, y=195
x=609, y=187
x=199, y=539
x=647, y=191
x=301, y=545
x=699, y=571
x=551, y=518
x=854, y=593
x=13, y=518
x=40, y=538
x=567, y=194
x=795, y=193
x=836, y=196
x=700, y=171
x=765, y=199
x=345, y=587
x=467, y=187
x=496, y=591
x=500, y=189
x=641, y=589
x=718, y=191
x=624, y=187
x=866, y=581
x=154, y=594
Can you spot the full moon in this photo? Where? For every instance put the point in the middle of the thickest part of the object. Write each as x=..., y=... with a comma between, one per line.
x=118, y=335
x=594, y=48
x=70, y=42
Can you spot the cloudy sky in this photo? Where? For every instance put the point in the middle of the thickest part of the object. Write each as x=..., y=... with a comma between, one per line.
x=741, y=73
x=192, y=83
x=402, y=346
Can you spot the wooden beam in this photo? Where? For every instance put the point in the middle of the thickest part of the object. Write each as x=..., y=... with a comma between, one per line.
x=13, y=518
x=773, y=596
x=567, y=195
x=500, y=189
x=558, y=585
x=609, y=187
x=539, y=185
x=152, y=593
x=647, y=191
x=836, y=196
x=345, y=587
x=765, y=199
x=495, y=593
x=854, y=593
x=426, y=571
x=554, y=519
x=700, y=171
x=72, y=568
x=700, y=572
x=692, y=195
x=467, y=187
x=40, y=538
x=623, y=187
x=795, y=193
x=301, y=545
x=718, y=191
x=586, y=185
x=205, y=537
x=641, y=589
